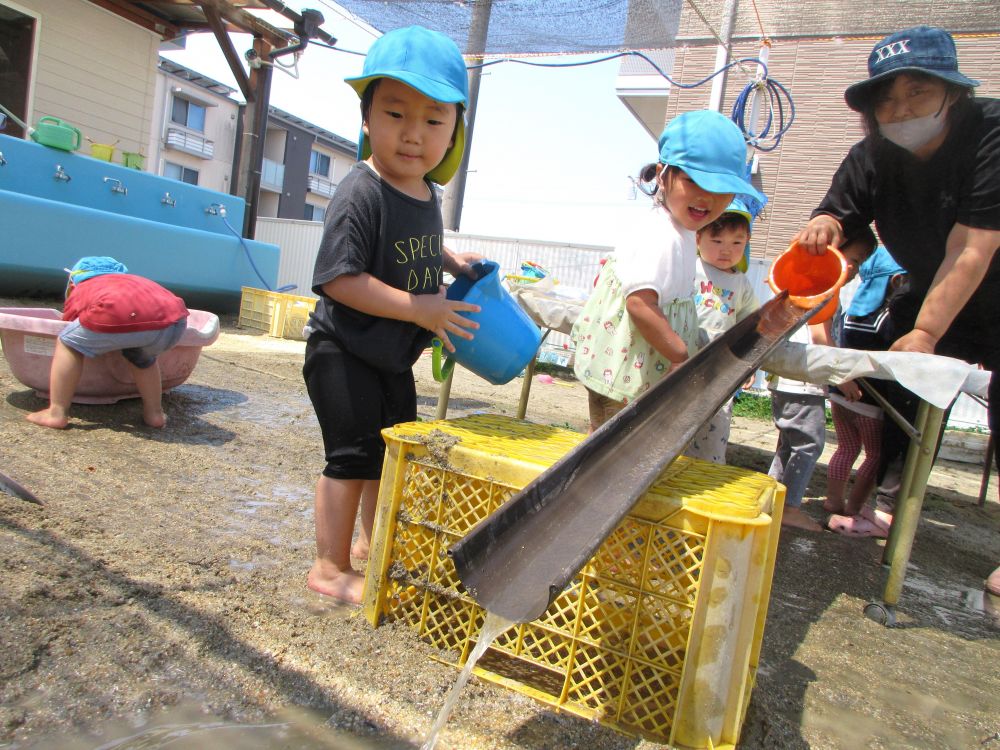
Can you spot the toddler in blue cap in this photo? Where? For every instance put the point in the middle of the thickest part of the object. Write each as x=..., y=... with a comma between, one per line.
x=640, y=321
x=378, y=274
x=723, y=296
x=111, y=310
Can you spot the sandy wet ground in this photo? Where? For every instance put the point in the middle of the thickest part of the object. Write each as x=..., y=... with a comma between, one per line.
x=159, y=594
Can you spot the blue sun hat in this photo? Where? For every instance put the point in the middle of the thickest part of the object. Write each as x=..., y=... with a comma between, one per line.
x=710, y=148
x=876, y=273
x=429, y=62
x=920, y=49
x=749, y=209
x=94, y=265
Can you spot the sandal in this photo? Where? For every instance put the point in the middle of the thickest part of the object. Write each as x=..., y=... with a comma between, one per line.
x=855, y=526
x=879, y=518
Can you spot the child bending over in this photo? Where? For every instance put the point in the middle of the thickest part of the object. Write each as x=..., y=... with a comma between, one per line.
x=113, y=311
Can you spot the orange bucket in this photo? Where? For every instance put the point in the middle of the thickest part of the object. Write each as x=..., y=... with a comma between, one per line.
x=810, y=279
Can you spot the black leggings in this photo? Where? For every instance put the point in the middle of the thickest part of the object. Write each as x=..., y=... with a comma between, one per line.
x=353, y=403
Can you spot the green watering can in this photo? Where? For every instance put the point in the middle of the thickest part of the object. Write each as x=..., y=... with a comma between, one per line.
x=56, y=133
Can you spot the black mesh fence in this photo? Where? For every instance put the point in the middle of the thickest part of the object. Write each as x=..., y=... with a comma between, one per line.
x=584, y=26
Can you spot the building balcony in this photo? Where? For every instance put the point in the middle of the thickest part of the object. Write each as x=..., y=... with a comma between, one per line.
x=272, y=176
x=644, y=91
x=190, y=143
x=321, y=186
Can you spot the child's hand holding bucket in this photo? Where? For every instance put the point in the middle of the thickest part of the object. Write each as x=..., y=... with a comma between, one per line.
x=437, y=313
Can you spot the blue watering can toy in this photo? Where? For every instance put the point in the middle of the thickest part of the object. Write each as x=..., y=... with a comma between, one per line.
x=506, y=339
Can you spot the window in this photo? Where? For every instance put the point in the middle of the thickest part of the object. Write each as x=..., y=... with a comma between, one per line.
x=319, y=164
x=188, y=114
x=180, y=173
x=314, y=213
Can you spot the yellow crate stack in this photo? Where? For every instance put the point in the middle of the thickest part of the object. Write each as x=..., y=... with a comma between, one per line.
x=658, y=636
x=279, y=315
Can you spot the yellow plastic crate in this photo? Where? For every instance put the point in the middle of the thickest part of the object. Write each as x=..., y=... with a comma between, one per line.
x=658, y=636
x=279, y=315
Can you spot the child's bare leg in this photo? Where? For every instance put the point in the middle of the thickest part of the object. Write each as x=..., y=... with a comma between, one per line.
x=835, y=489
x=336, y=510
x=860, y=494
x=150, y=385
x=369, y=501
x=67, y=366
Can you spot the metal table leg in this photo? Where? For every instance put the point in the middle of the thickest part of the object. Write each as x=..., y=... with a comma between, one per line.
x=444, y=393
x=529, y=373
x=899, y=545
x=984, y=485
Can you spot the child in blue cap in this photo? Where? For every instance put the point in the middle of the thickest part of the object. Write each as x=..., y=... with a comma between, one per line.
x=112, y=310
x=723, y=296
x=857, y=416
x=379, y=278
x=640, y=321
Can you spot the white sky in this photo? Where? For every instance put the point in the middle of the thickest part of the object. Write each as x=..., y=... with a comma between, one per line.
x=552, y=150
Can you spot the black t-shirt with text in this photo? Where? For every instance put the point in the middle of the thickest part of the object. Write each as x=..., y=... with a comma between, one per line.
x=915, y=204
x=373, y=228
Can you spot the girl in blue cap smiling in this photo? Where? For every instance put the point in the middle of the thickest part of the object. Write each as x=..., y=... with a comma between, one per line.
x=640, y=321
x=378, y=275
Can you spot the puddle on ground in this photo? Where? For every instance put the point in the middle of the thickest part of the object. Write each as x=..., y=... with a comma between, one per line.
x=273, y=413
x=805, y=546
x=248, y=566
x=269, y=511
x=951, y=599
x=250, y=507
x=189, y=728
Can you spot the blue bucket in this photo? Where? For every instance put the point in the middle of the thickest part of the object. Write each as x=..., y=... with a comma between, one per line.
x=506, y=339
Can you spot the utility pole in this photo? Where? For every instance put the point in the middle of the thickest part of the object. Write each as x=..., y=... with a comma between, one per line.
x=252, y=141
x=722, y=56
x=454, y=194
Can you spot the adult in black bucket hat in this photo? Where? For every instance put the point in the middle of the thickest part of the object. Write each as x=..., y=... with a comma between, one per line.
x=928, y=174
x=922, y=49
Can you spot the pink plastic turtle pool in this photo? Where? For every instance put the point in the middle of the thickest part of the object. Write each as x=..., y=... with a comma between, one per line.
x=28, y=336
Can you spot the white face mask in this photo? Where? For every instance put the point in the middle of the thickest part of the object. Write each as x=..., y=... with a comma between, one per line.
x=912, y=134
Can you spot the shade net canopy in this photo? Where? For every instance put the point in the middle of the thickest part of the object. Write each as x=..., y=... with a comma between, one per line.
x=535, y=26
x=588, y=26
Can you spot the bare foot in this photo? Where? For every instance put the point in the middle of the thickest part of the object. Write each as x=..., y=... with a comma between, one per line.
x=345, y=585
x=359, y=551
x=834, y=506
x=799, y=519
x=155, y=418
x=46, y=418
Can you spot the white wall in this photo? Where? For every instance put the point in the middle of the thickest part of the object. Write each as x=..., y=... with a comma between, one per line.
x=95, y=70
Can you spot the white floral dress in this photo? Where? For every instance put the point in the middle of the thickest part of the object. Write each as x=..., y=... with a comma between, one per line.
x=612, y=357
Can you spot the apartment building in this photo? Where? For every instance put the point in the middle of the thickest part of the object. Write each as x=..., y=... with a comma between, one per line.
x=303, y=163
x=198, y=132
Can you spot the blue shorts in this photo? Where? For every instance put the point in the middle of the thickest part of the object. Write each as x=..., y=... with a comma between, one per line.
x=139, y=347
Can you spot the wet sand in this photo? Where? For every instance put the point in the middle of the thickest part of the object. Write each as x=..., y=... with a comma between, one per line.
x=160, y=594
